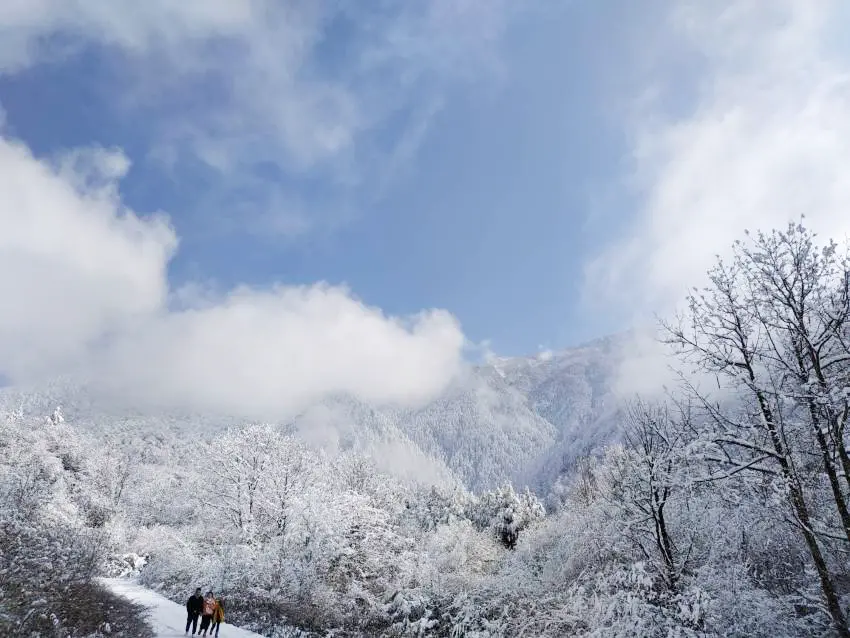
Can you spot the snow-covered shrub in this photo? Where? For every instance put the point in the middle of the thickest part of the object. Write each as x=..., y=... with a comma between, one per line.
x=458, y=550
x=506, y=513
x=434, y=506
x=51, y=546
x=630, y=601
x=738, y=607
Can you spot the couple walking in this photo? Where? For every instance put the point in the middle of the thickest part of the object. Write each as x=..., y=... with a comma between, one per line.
x=209, y=608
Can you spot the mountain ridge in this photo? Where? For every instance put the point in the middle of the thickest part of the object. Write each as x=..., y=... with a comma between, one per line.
x=523, y=420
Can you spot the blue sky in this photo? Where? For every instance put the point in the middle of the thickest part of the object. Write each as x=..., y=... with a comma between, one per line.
x=247, y=206
x=511, y=165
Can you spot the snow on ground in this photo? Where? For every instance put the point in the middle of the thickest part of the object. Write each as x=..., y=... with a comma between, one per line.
x=167, y=618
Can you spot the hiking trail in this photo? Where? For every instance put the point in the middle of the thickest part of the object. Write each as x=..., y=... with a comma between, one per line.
x=167, y=618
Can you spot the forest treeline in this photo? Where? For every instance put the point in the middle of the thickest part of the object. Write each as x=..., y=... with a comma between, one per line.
x=724, y=510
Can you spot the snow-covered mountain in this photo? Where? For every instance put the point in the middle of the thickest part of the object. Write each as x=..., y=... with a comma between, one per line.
x=572, y=390
x=522, y=419
x=519, y=419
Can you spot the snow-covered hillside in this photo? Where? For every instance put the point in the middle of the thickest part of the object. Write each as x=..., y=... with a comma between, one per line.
x=522, y=419
x=573, y=390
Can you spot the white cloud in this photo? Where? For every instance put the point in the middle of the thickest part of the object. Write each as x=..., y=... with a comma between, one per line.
x=238, y=83
x=138, y=27
x=85, y=290
x=73, y=263
x=765, y=142
x=752, y=135
x=261, y=353
x=265, y=61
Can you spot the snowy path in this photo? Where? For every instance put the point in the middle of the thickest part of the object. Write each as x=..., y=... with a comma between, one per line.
x=167, y=618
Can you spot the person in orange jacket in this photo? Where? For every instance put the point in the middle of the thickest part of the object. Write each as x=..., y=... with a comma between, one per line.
x=218, y=616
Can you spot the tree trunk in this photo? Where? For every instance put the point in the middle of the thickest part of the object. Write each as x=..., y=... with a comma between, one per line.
x=818, y=419
x=801, y=510
x=832, y=473
x=665, y=545
x=827, y=585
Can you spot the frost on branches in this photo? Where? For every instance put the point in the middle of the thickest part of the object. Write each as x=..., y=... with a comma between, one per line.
x=773, y=329
x=721, y=511
x=52, y=540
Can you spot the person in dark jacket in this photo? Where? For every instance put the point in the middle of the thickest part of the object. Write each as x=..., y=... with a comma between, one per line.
x=194, y=607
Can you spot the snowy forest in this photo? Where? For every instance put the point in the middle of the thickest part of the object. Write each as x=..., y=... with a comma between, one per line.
x=720, y=508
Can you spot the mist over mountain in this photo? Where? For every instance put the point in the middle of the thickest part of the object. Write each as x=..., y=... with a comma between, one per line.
x=522, y=420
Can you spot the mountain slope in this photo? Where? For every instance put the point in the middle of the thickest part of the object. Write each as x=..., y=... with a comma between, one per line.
x=483, y=429
x=521, y=419
x=573, y=390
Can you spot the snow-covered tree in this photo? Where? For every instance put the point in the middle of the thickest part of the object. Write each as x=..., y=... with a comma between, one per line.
x=57, y=417
x=506, y=513
x=649, y=486
x=772, y=329
x=50, y=546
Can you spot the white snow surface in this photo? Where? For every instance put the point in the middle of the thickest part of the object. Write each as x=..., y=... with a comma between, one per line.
x=167, y=618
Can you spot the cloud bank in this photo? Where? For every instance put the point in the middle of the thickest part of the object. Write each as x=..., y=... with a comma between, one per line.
x=752, y=135
x=84, y=284
x=764, y=141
